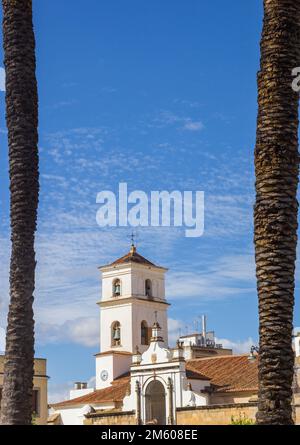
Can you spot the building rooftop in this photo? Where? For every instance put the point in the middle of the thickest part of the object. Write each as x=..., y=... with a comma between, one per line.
x=114, y=393
x=228, y=373
x=131, y=257
x=233, y=373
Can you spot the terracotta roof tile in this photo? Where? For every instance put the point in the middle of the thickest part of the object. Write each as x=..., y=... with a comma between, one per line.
x=132, y=257
x=195, y=375
x=227, y=373
x=114, y=393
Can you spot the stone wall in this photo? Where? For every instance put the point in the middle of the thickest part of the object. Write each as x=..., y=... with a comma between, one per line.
x=205, y=415
x=222, y=414
x=111, y=418
x=215, y=415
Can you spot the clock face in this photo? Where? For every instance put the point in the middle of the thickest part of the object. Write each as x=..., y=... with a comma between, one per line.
x=104, y=375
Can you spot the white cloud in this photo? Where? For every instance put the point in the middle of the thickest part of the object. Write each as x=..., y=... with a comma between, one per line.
x=175, y=330
x=166, y=118
x=83, y=331
x=228, y=277
x=239, y=346
x=193, y=125
x=2, y=79
x=58, y=392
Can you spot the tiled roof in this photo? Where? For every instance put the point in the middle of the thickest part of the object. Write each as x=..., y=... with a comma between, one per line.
x=195, y=375
x=132, y=257
x=113, y=352
x=114, y=393
x=227, y=373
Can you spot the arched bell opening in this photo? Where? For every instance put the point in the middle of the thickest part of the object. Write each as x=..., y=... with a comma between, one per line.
x=148, y=288
x=115, y=334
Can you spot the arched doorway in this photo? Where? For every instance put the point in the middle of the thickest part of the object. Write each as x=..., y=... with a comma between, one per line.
x=156, y=403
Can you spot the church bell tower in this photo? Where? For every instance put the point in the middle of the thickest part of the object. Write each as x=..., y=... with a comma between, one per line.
x=133, y=298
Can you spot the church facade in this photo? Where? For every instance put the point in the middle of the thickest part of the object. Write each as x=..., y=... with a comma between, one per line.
x=139, y=378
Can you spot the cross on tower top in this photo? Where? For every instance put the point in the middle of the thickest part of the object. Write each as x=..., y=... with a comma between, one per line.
x=133, y=243
x=132, y=236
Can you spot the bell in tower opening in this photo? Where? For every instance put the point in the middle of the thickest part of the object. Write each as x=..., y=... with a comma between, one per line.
x=117, y=288
x=116, y=334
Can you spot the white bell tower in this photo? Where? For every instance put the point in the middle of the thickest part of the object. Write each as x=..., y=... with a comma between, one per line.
x=133, y=298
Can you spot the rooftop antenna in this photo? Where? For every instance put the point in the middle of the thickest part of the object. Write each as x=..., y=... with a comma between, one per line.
x=204, y=327
x=200, y=330
x=196, y=325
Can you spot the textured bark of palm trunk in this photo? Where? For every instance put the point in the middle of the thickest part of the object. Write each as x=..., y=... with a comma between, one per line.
x=276, y=207
x=22, y=122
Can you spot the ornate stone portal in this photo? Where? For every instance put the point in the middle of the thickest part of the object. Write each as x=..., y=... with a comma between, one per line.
x=161, y=385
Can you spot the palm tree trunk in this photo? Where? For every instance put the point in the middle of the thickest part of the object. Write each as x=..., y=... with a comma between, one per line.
x=22, y=121
x=276, y=208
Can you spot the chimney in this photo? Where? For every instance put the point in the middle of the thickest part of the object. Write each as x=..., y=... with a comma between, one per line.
x=80, y=385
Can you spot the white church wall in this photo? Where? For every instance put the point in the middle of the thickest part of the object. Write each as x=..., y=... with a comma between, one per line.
x=121, y=365
x=192, y=398
x=75, y=415
x=130, y=400
x=179, y=384
x=198, y=385
x=80, y=392
x=104, y=363
x=114, y=364
x=71, y=416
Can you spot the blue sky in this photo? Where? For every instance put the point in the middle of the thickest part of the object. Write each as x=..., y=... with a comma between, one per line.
x=161, y=95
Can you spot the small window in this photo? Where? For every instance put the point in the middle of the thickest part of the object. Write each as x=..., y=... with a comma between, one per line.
x=117, y=288
x=148, y=288
x=144, y=333
x=116, y=334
